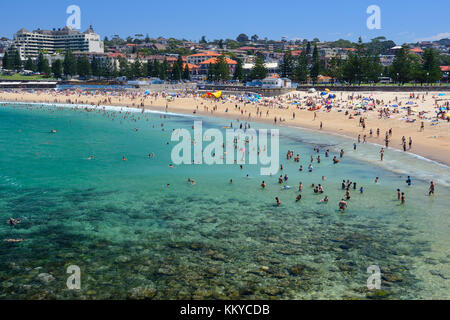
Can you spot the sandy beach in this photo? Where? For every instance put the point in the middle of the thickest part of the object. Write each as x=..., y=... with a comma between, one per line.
x=343, y=118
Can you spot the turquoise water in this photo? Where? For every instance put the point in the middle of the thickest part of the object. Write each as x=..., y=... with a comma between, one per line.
x=133, y=237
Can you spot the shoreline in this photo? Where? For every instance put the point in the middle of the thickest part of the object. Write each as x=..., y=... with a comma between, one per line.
x=432, y=145
x=183, y=112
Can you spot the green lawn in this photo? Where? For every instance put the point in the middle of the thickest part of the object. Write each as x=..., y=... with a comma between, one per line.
x=19, y=77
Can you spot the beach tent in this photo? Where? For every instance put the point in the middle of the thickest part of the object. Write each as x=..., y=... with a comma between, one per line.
x=441, y=94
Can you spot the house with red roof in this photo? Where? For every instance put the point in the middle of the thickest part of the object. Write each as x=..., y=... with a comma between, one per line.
x=445, y=73
x=417, y=51
x=204, y=66
x=198, y=58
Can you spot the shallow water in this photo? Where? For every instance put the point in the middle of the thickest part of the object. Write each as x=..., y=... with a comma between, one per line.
x=135, y=238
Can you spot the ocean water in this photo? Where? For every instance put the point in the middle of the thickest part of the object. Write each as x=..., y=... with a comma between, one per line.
x=135, y=237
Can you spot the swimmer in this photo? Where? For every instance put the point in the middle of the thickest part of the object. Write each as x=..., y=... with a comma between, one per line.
x=335, y=160
x=342, y=205
x=231, y=181
x=431, y=191
x=124, y=159
x=299, y=197
x=13, y=222
x=278, y=201
x=361, y=190
x=53, y=131
x=263, y=185
x=300, y=187
x=171, y=166
x=325, y=200
x=91, y=157
x=398, y=194
x=409, y=181
x=403, y=198
x=14, y=240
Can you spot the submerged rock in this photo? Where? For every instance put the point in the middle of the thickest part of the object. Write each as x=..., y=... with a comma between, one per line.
x=297, y=269
x=45, y=278
x=123, y=259
x=142, y=293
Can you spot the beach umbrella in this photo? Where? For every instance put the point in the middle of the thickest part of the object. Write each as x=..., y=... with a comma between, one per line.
x=447, y=115
x=327, y=90
x=441, y=94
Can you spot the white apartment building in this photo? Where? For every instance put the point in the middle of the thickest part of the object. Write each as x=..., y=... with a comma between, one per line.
x=29, y=44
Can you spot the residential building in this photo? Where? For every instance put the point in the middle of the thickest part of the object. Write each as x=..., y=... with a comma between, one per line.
x=204, y=66
x=29, y=44
x=198, y=58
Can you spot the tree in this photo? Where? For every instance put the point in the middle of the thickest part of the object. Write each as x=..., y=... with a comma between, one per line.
x=17, y=61
x=149, y=67
x=400, y=70
x=124, y=68
x=83, y=67
x=186, y=73
x=69, y=64
x=163, y=70
x=42, y=64
x=308, y=48
x=203, y=40
x=350, y=69
x=371, y=68
x=7, y=61
x=211, y=72
x=334, y=69
x=430, y=66
x=156, y=69
x=239, y=71
x=222, y=70
x=259, y=70
x=301, y=70
x=96, y=67
x=255, y=38
x=137, y=69
x=57, y=69
x=108, y=70
x=29, y=65
x=287, y=65
x=315, y=69
x=242, y=38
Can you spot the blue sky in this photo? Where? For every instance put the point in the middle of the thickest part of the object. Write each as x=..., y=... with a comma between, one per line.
x=401, y=20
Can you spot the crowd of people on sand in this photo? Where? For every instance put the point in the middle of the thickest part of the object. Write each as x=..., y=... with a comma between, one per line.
x=353, y=106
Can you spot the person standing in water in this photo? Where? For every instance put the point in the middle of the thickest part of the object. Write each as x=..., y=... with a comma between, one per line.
x=431, y=192
x=278, y=201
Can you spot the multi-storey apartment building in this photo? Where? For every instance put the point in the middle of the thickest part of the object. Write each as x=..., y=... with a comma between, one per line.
x=29, y=44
